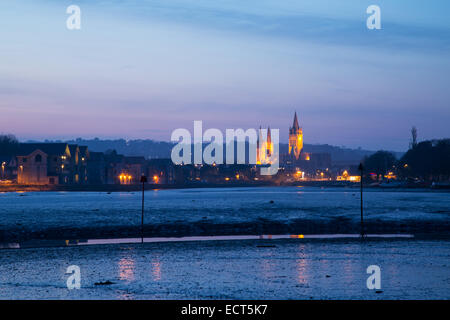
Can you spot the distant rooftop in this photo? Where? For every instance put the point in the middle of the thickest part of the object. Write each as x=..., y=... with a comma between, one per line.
x=49, y=148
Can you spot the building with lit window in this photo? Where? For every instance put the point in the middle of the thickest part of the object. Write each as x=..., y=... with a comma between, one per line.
x=43, y=163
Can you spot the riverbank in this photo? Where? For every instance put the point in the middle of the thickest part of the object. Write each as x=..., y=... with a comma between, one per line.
x=229, y=184
x=128, y=188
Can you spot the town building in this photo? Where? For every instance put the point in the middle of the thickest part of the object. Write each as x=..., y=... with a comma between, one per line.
x=51, y=163
x=162, y=171
x=96, y=166
x=8, y=169
x=43, y=163
x=84, y=156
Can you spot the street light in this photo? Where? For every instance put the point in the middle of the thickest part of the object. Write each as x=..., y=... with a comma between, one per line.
x=143, y=181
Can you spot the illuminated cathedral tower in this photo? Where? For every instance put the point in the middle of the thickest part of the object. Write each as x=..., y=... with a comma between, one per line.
x=269, y=143
x=264, y=147
x=295, y=139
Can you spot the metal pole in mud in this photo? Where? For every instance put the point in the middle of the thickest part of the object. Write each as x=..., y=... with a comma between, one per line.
x=143, y=181
x=361, y=189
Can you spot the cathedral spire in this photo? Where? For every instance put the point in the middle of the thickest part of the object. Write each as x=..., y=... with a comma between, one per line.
x=295, y=126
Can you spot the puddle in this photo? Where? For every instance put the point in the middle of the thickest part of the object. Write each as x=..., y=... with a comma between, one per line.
x=70, y=243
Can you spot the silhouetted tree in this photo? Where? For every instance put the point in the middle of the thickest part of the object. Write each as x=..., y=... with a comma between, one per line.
x=428, y=160
x=413, y=143
x=380, y=162
x=9, y=145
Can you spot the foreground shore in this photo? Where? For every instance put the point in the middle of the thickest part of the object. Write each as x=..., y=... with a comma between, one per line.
x=255, y=269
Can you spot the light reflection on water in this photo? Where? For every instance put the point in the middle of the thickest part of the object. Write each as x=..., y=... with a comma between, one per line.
x=348, y=270
x=126, y=269
x=302, y=266
x=125, y=296
x=267, y=268
x=156, y=270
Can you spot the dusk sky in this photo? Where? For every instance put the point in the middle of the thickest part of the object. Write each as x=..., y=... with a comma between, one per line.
x=140, y=69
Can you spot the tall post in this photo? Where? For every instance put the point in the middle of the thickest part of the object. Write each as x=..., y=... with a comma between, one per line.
x=143, y=181
x=361, y=190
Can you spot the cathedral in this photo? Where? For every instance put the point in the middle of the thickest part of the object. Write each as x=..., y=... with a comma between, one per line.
x=295, y=139
x=264, y=148
x=294, y=159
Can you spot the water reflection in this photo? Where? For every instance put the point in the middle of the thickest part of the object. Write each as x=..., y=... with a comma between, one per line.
x=352, y=267
x=267, y=268
x=126, y=269
x=156, y=270
x=125, y=295
x=302, y=266
x=348, y=265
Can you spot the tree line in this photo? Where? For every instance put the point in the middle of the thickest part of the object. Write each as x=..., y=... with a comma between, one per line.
x=427, y=160
x=9, y=145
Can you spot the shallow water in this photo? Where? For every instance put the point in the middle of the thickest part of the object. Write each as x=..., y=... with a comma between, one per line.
x=244, y=269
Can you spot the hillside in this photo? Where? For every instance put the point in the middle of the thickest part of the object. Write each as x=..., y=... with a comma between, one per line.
x=160, y=149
